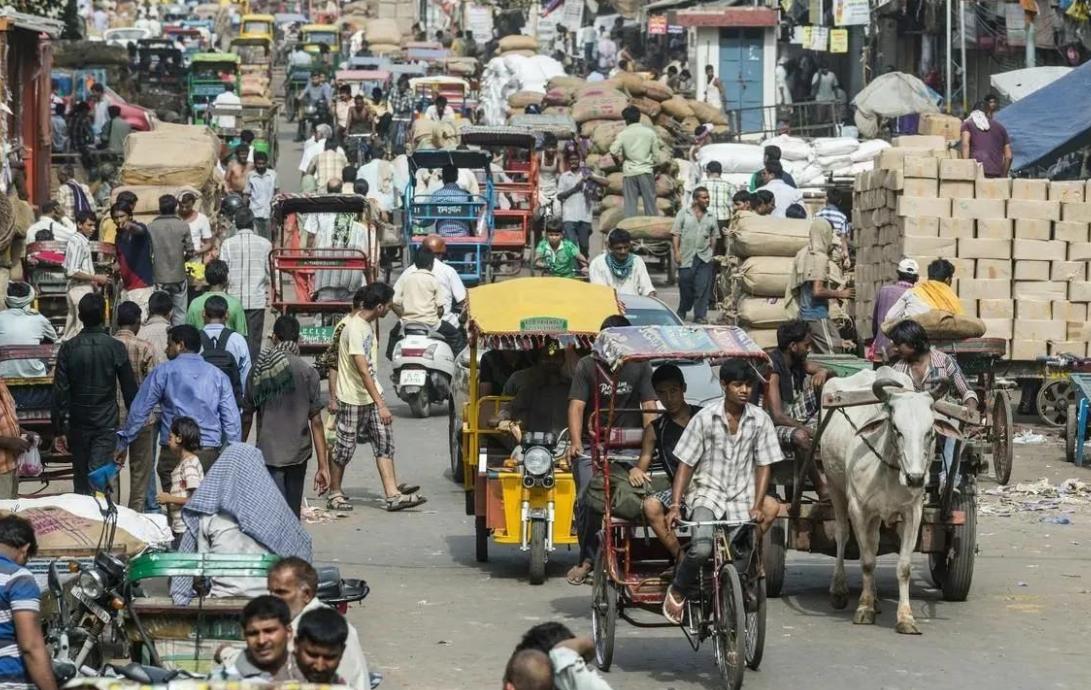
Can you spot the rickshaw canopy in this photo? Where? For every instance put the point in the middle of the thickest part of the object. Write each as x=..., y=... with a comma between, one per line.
x=285, y=204
x=211, y=58
x=430, y=159
x=264, y=24
x=438, y=81
x=517, y=137
x=360, y=75
x=361, y=62
x=522, y=313
x=560, y=126
x=289, y=18
x=252, y=39
x=616, y=346
x=399, y=69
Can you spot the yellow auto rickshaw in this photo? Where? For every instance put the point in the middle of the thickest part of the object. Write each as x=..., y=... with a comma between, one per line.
x=255, y=54
x=255, y=25
x=313, y=34
x=519, y=486
x=454, y=89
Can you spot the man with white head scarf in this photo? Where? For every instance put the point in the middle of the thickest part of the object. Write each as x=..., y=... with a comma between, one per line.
x=20, y=324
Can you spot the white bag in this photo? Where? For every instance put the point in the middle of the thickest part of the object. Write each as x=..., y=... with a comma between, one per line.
x=29, y=463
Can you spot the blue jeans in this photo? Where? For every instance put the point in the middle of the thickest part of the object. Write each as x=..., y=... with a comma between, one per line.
x=151, y=498
x=700, y=548
x=579, y=232
x=695, y=289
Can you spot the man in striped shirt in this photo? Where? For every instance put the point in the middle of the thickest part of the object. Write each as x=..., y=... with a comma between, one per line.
x=720, y=194
x=80, y=270
x=841, y=228
x=24, y=661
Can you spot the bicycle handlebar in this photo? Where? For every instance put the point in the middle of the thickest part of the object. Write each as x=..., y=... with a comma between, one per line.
x=714, y=523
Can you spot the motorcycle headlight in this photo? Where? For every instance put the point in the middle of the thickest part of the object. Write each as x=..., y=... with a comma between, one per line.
x=91, y=583
x=537, y=461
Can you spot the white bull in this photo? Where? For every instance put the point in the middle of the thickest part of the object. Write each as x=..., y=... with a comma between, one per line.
x=876, y=458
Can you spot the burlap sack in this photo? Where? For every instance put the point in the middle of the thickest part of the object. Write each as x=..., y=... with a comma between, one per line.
x=689, y=124
x=383, y=32
x=664, y=185
x=615, y=183
x=610, y=217
x=147, y=197
x=647, y=227
x=559, y=95
x=599, y=108
x=558, y=110
x=943, y=325
x=565, y=81
x=765, y=276
x=525, y=52
x=521, y=99
x=631, y=83
x=677, y=107
x=518, y=42
x=608, y=163
x=171, y=155
x=708, y=113
x=605, y=134
x=587, y=129
x=756, y=312
x=612, y=201
x=597, y=90
x=461, y=66
x=764, y=337
x=664, y=163
x=646, y=106
x=668, y=206
x=657, y=91
x=767, y=236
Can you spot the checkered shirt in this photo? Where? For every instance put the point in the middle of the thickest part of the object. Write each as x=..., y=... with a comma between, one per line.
x=942, y=368
x=720, y=192
x=402, y=104
x=328, y=166
x=143, y=357
x=838, y=220
x=723, y=475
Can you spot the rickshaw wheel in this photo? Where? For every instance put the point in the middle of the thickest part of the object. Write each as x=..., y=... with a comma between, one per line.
x=1053, y=400
x=481, y=540
x=454, y=443
x=755, y=628
x=1002, y=429
x=603, y=613
x=729, y=628
x=774, y=552
x=1071, y=433
x=537, y=552
x=952, y=570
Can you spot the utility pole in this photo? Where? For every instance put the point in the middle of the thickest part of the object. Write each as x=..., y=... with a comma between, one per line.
x=947, y=80
x=962, y=49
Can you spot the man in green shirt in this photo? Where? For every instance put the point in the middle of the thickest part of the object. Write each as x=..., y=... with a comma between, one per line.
x=637, y=147
x=694, y=233
x=217, y=277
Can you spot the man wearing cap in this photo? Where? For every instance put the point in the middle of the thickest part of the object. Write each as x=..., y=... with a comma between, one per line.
x=908, y=273
x=20, y=324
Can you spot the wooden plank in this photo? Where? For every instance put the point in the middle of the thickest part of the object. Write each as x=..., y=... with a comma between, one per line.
x=957, y=411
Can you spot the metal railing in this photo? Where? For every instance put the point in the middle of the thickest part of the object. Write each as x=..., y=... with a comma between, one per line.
x=812, y=118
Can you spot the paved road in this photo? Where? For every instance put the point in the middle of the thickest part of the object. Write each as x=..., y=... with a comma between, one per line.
x=437, y=619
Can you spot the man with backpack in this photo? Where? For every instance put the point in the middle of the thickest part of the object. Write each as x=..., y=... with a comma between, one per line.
x=185, y=386
x=224, y=348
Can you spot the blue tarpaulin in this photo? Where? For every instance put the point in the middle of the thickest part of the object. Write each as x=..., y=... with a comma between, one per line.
x=1050, y=122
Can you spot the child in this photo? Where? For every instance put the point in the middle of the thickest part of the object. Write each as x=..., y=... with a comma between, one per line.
x=185, y=440
x=558, y=256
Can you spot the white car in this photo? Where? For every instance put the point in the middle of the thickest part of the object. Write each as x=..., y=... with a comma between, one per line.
x=125, y=36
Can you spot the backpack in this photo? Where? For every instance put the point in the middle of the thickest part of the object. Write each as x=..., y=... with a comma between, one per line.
x=215, y=352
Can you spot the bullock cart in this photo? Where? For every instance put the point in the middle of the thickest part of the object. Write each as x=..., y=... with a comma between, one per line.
x=627, y=576
x=948, y=527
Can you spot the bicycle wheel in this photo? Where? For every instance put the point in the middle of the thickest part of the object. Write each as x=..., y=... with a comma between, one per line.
x=729, y=626
x=755, y=623
x=603, y=613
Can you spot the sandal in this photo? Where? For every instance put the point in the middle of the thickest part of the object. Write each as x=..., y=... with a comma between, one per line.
x=408, y=488
x=582, y=573
x=338, y=502
x=403, y=501
x=670, y=602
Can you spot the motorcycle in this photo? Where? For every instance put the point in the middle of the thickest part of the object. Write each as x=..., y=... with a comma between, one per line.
x=313, y=113
x=537, y=454
x=424, y=365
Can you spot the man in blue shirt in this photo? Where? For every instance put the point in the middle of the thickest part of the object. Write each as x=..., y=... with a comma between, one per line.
x=215, y=313
x=185, y=386
x=451, y=193
x=24, y=661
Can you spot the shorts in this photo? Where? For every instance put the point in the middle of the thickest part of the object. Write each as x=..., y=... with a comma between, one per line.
x=664, y=497
x=361, y=419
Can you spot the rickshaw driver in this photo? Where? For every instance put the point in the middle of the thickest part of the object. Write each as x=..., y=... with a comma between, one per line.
x=541, y=402
x=726, y=452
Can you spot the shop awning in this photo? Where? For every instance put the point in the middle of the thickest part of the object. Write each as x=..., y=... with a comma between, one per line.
x=31, y=22
x=1046, y=124
x=728, y=17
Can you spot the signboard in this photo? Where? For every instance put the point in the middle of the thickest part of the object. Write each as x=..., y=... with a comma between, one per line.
x=479, y=20
x=572, y=15
x=657, y=25
x=839, y=41
x=820, y=39
x=545, y=324
x=851, y=12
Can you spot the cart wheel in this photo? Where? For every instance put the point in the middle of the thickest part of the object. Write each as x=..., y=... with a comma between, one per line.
x=603, y=613
x=419, y=404
x=1053, y=401
x=672, y=269
x=1002, y=429
x=454, y=443
x=953, y=570
x=755, y=627
x=774, y=552
x=729, y=628
x=537, y=552
x=1071, y=434
x=481, y=534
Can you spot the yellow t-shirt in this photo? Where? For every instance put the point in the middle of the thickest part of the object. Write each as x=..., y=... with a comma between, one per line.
x=357, y=338
x=107, y=231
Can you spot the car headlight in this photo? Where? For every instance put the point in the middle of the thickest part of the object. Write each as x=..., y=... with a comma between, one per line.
x=537, y=461
x=91, y=584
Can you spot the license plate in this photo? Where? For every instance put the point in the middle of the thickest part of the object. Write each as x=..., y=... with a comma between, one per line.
x=413, y=377
x=94, y=608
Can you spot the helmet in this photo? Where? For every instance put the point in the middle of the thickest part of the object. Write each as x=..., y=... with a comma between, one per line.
x=435, y=244
x=230, y=204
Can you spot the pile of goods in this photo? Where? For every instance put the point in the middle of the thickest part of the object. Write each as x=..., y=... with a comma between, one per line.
x=809, y=162
x=383, y=36
x=167, y=159
x=517, y=44
x=1020, y=247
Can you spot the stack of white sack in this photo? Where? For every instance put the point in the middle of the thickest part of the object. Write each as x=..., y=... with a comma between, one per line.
x=507, y=75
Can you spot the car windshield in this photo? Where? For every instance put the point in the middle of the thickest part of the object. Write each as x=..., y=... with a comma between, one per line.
x=255, y=27
x=652, y=317
x=327, y=37
x=126, y=34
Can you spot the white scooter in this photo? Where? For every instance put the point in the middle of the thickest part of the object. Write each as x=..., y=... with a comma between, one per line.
x=423, y=368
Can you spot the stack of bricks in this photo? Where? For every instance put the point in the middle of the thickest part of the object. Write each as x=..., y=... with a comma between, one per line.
x=1020, y=248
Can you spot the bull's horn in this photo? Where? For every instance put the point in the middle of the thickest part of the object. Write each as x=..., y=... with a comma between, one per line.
x=881, y=386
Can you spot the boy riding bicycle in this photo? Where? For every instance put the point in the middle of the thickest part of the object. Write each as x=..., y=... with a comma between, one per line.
x=726, y=451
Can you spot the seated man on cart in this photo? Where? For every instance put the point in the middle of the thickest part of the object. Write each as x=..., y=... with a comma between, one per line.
x=724, y=459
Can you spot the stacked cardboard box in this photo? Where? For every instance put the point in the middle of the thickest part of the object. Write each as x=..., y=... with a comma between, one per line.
x=1021, y=247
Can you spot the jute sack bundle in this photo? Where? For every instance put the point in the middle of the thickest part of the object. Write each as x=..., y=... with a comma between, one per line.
x=598, y=89
x=615, y=183
x=383, y=32
x=647, y=227
x=943, y=325
x=521, y=51
x=708, y=113
x=664, y=162
x=607, y=163
x=599, y=108
x=559, y=95
x=521, y=99
x=765, y=276
x=647, y=106
x=657, y=91
x=677, y=107
x=666, y=205
x=557, y=110
x=605, y=134
x=384, y=48
x=756, y=235
x=422, y=129
x=633, y=83
x=518, y=42
x=587, y=129
x=612, y=201
x=691, y=123
x=758, y=312
x=460, y=66
x=765, y=338
x=565, y=81
x=610, y=217
x=664, y=185
x=171, y=155
x=147, y=196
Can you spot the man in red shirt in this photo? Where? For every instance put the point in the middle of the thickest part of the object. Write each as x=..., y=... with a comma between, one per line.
x=985, y=140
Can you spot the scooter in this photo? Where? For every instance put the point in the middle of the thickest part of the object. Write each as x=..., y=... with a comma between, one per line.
x=424, y=366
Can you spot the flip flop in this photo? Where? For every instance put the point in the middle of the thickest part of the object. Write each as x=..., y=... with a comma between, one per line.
x=671, y=601
x=403, y=501
x=338, y=502
x=579, y=579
